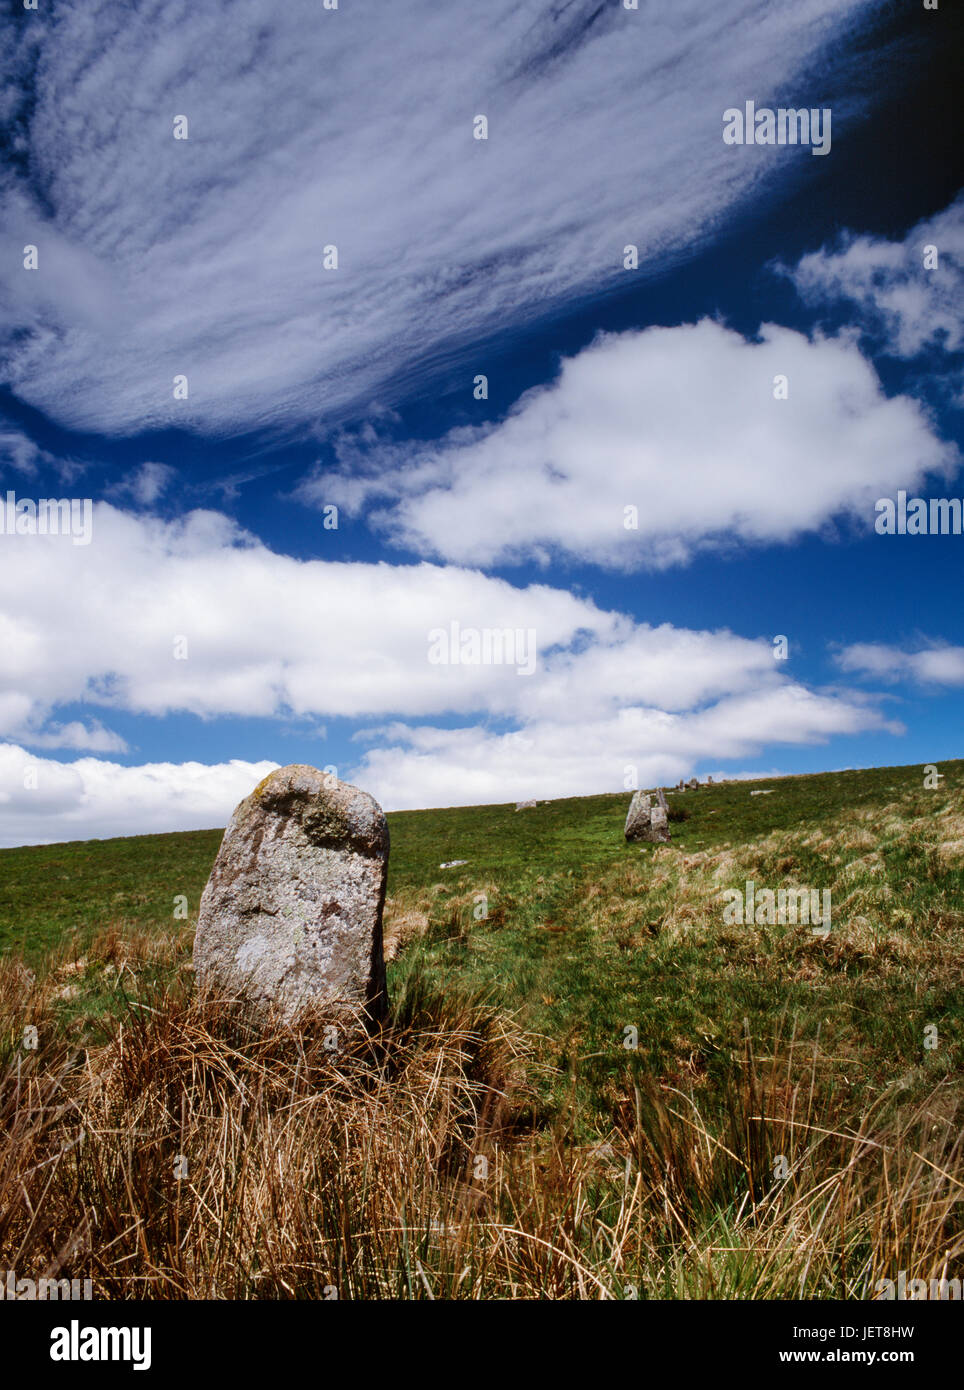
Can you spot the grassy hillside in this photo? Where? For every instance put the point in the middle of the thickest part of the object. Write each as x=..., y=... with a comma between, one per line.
x=625, y=1037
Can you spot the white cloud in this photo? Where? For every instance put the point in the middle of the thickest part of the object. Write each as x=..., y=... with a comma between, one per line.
x=681, y=423
x=444, y=767
x=92, y=738
x=146, y=484
x=936, y=664
x=264, y=634
x=19, y=451
x=267, y=635
x=354, y=127
x=42, y=801
x=889, y=284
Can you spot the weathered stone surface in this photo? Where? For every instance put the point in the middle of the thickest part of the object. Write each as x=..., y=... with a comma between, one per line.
x=637, y=817
x=646, y=822
x=524, y=805
x=659, y=826
x=292, y=912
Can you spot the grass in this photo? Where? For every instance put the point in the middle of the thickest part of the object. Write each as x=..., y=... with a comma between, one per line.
x=592, y=1085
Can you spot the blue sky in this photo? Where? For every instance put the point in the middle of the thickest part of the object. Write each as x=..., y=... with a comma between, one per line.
x=214, y=626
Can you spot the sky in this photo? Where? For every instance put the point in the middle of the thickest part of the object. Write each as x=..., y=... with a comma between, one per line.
x=444, y=398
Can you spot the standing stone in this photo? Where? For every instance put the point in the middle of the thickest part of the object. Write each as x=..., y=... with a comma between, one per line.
x=646, y=822
x=659, y=826
x=661, y=798
x=637, y=817
x=693, y=784
x=292, y=912
x=709, y=781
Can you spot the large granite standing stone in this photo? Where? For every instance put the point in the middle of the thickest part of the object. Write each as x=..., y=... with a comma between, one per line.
x=292, y=912
x=646, y=822
x=637, y=817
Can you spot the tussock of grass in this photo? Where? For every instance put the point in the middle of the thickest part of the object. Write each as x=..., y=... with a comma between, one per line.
x=415, y=1166
x=503, y=1138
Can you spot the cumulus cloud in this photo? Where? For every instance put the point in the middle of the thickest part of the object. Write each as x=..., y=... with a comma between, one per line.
x=684, y=425
x=206, y=619
x=934, y=664
x=203, y=618
x=422, y=767
x=896, y=293
x=354, y=127
x=42, y=801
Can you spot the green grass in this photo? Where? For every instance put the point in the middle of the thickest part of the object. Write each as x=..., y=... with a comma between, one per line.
x=50, y=891
x=581, y=939
x=752, y=1039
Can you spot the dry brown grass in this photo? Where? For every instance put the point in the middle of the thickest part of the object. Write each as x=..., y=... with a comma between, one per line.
x=412, y=1165
x=405, y=919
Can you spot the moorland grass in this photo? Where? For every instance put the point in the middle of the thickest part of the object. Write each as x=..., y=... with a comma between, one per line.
x=592, y=1085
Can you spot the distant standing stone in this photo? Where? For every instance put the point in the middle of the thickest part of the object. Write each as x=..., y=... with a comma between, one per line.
x=292, y=912
x=693, y=784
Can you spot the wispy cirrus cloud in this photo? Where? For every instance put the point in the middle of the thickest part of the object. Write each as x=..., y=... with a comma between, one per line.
x=21, y=453
x=354, y=127
x=145, y=484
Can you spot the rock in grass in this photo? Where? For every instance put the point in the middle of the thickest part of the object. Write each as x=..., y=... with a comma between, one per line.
x=637, y=817
x=292, y=912
x=524, y=805
x=658, y=826
x=646, y=822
